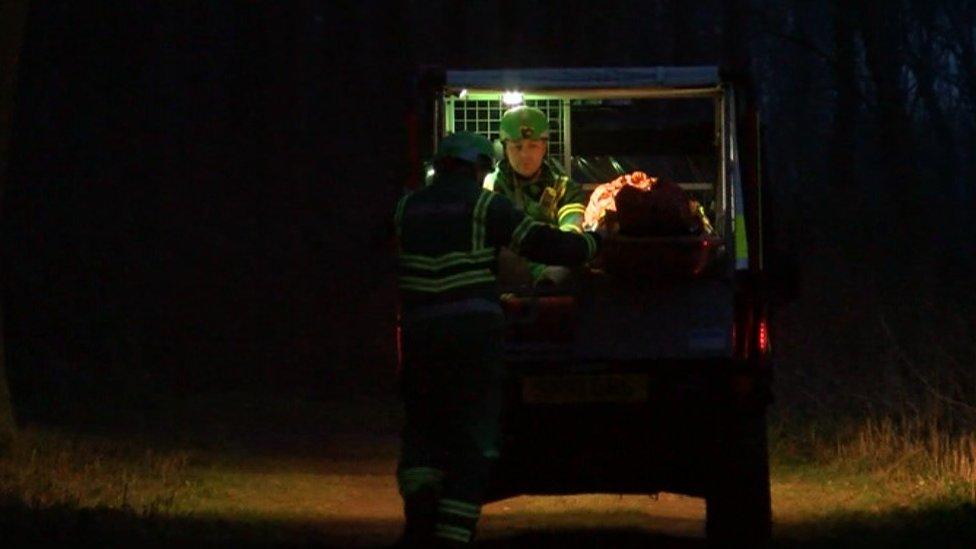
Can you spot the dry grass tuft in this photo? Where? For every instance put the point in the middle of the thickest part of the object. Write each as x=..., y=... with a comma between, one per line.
x=914, y=450
x=902, y=408
x=47, y=469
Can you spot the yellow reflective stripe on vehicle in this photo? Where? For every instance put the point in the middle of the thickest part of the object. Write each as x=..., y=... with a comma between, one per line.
x=741, y=244
x=478, y=221
x=445, y=283
x=437, y=263
x=590, y=245
x=398, y=216
x=455, y=533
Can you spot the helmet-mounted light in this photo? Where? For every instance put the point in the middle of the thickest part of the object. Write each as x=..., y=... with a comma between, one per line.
x=513, y=98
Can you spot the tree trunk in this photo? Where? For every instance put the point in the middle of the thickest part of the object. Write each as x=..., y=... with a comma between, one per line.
x=954, y=198
x=844, y=143
x=882, y=31
x=926, y=67
x=13, y=16
x=960, y=17
x=911, y=254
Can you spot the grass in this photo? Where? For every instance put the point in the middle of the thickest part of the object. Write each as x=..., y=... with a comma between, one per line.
x=880, y=421
x=902, y=476
x=900, y=453
x=54, y=469
x=871, y=482
x=232, y=468
x=56, y=486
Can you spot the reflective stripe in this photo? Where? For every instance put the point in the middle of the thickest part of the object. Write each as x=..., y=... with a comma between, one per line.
x=741, y=243
x=452, y=532
x=478, y=221
x=573, y=206
x=442, y=284
x=569, y=209
x=571, y=228
x=461, y=506
x=458, y=512
x=536, y=270
x=489, y=182
x=398, y=216
x=590, y=245
x=454, y=308
x=437, y=263
x=521, y=231
x=478, y=260
x=738, y=205
x=416, y=478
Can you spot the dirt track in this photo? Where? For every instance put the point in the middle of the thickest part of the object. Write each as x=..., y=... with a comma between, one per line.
x=348, y=498
x=262, y=472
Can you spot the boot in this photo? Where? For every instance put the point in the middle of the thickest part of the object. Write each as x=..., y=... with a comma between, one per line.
x=420, y=512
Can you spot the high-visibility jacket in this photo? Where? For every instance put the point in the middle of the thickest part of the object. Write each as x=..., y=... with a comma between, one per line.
x=449, y=234
x=550, y=198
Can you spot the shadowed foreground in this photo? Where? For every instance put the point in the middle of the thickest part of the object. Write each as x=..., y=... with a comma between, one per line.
x=72, y=526
x=320, y=474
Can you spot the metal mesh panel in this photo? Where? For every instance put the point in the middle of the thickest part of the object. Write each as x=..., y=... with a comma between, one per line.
x=483, y=115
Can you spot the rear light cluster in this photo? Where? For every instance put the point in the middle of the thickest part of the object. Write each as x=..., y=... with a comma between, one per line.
x=762, y=343
x=763, y=336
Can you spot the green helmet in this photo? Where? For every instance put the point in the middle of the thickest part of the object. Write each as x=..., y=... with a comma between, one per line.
x=523, y=123
x=465, y=146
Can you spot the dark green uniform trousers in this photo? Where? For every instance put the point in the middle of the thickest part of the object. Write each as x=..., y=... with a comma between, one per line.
x=452, y=391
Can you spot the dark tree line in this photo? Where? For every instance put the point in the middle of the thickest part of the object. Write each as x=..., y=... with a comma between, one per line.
x=192, y=190
x=872, y=143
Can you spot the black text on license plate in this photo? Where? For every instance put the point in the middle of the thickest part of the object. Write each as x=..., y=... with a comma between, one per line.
x=585, y=388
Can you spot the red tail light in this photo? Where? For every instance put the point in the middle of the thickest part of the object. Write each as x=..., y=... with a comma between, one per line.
x=763, y=336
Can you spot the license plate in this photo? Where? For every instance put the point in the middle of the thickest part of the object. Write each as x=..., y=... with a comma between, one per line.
x=585, y=388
